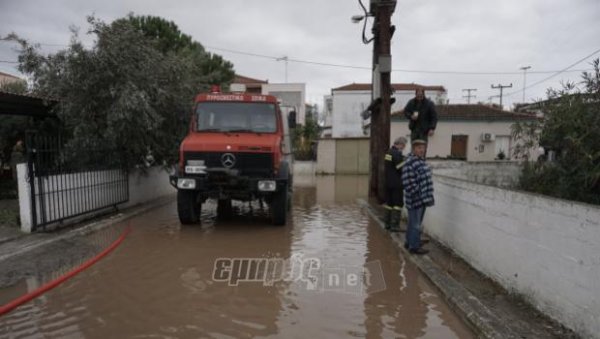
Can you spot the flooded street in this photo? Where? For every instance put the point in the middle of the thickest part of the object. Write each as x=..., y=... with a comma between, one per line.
x=163, y=281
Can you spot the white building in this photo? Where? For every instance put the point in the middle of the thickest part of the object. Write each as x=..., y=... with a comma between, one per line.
x=347, y=102
x=471, y=132
x=6, y=78
x=291, y=95
x=466, y=132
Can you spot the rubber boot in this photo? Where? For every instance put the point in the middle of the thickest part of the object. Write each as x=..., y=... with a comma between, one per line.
x=395, y=221
x=388, y=218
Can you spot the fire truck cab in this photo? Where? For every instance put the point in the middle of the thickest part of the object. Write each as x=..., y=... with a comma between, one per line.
x=237, y=148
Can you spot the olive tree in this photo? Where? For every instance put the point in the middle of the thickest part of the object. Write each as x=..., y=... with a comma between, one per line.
x=129, y=93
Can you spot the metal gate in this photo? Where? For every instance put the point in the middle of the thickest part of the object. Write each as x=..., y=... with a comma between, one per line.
x=66, y=183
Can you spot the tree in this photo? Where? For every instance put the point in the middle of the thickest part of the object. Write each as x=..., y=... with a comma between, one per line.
x=210, y=68
x=570, y=129
x=305, y=137
x=130, y=93
x=12, y=128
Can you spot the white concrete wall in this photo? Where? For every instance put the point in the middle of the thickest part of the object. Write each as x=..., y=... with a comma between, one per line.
x=496, y=173
x=74, y=200
x=146, y=187
x=304, y=168
x=326, y=156
x=545, y=249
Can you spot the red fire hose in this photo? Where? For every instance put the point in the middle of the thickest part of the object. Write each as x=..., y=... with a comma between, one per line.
x=52, y=284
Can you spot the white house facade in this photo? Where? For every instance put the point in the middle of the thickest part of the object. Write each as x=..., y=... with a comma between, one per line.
x=347, y=103
x=471, y=132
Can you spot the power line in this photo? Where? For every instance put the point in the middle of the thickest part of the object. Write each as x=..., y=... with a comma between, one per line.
x=556, y=73
x=329, y=64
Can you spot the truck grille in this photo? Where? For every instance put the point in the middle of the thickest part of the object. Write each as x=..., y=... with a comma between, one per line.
x=249, y=164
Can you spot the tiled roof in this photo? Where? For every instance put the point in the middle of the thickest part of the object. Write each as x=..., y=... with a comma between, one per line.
x=396, y=87
x=473, y=112
x=240, y=79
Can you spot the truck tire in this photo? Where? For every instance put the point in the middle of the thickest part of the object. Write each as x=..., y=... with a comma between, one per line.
x=188, y=207
x=279, y=207
x=224, y=209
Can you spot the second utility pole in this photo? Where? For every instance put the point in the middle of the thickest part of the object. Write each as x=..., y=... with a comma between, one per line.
x=380, y=119
x=501, y=87
x=469, y=95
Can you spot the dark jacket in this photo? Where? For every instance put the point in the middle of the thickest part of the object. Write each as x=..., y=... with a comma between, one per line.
x=393, y=164
x=427, y=115
x=417, y=182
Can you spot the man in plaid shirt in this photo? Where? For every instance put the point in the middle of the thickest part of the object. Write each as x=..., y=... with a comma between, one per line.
x=418, y=193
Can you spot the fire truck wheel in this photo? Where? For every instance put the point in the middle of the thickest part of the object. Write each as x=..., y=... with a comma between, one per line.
x=224, y=209
x=188, y=207
x=279, y=207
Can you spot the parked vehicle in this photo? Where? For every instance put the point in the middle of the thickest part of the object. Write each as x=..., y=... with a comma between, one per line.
x=237, y=148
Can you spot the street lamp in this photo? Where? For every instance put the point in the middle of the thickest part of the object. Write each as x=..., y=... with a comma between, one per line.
x=524, y=69
x=357, y=18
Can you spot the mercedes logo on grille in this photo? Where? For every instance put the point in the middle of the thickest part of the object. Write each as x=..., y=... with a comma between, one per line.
x=228, y=160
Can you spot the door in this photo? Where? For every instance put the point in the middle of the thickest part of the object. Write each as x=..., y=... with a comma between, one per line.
x=502, y=146
x=458, y=148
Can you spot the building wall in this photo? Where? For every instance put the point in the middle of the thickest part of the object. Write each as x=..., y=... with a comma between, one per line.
x=441, y=141
x=543, y=248
x=292, y=96
x=7, y=78
x=347, y=106
x=343, y=156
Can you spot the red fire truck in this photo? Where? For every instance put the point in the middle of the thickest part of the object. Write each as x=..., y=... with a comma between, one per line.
x=237, y=148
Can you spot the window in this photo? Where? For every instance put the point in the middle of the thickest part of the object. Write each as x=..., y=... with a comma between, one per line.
x=236, y=117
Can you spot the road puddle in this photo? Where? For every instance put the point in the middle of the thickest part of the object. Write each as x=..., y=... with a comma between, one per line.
x=330, y=272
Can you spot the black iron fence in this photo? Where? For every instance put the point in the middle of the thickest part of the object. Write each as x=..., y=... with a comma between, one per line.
x=66, y=183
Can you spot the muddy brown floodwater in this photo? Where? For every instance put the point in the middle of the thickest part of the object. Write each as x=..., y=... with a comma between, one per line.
x=343, y=278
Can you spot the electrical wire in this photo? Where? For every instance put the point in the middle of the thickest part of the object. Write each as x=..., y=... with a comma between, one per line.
x=555, y=74
x=364, y=35
x=400, y=70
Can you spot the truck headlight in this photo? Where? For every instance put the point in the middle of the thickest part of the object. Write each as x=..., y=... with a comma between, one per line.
x=195, y=167
x=267, y=185
x=186, y=183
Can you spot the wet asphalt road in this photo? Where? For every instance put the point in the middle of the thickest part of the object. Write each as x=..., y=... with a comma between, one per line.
x=330, y=272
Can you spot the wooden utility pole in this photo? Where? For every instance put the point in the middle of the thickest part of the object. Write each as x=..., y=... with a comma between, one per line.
x=381, y=89
x=501, y=87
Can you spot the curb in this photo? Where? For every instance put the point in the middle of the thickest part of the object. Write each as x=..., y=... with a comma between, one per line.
x=469, y=307
x=41, y=240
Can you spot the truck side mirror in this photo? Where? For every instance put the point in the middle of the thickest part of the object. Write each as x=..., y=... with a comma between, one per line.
x=292, y=119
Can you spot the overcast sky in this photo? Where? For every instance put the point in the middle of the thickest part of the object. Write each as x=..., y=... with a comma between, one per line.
x=431, y=35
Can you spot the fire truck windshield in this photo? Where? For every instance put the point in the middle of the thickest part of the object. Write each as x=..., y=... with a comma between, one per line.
x=236, y=117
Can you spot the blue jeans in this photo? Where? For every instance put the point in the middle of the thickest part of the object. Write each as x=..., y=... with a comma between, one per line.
x=413, y=231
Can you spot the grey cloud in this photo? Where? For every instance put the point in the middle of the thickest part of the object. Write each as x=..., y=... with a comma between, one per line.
x=468, y=35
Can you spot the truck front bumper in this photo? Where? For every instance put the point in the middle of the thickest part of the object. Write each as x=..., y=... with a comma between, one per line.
x=227, y=183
